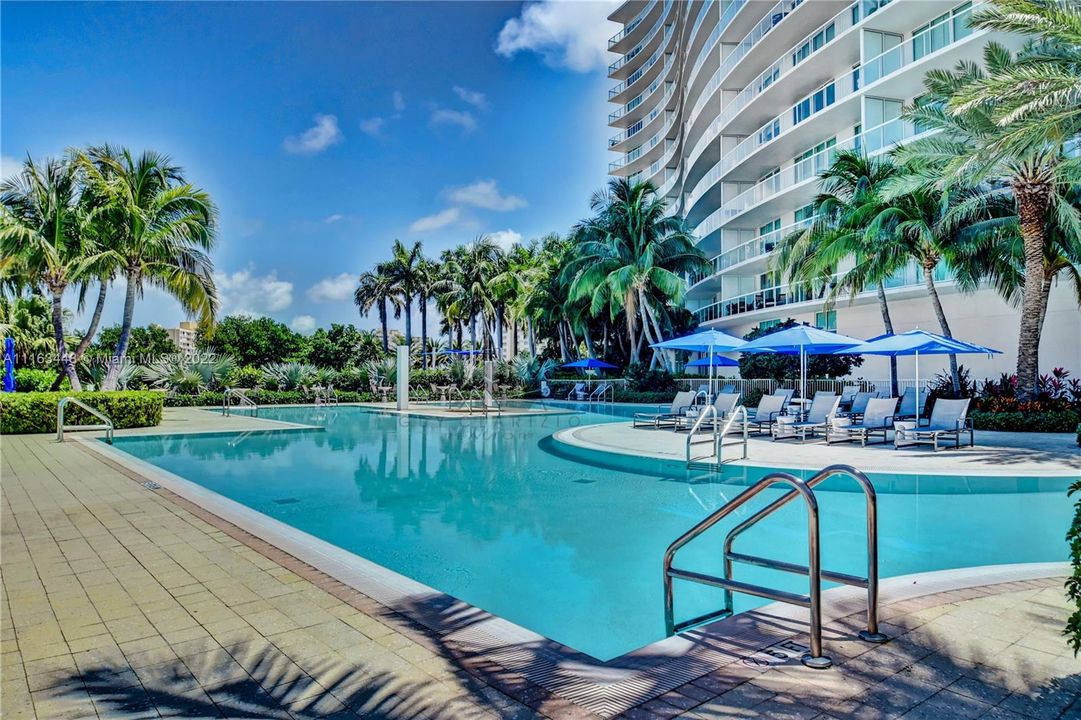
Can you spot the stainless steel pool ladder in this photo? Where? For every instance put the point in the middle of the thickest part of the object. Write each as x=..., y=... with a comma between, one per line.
x=106, y=421
x=737, y=421
x=242, y=399
x=813, y=570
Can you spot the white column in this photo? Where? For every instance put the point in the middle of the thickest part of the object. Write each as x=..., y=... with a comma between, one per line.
x=403, y=377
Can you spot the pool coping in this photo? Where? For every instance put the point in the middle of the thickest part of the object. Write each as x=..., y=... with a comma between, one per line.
x=570, y=437
x=495, y=647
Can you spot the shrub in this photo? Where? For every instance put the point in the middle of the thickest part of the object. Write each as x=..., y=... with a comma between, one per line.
x=288, y=375
x=1061, y=421
x=245, y=377
x=352, y=378
x=263, y=397
x=34, y=380
x=180, y=375
x=641, y=379
x=1073, y=583
x=752, y=397
x=35, y=412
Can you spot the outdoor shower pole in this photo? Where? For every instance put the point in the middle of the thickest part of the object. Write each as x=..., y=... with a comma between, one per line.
x=403, y=377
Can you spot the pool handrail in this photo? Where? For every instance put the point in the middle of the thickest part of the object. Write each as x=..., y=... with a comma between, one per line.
x=813, y=570
x=242, y=399
x=710, y=411
x=106, y=421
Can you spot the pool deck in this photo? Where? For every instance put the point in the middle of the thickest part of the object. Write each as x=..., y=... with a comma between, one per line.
x=995, y=453
x=122, y=600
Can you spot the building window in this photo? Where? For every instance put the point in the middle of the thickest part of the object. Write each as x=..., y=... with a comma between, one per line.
x=768, y=324
x=940, y=32
x=813, y=160
x=857, y=137
x=805, y=213
x=770, y=131
x=813, y=44
x=826, y=320
x=815, y=102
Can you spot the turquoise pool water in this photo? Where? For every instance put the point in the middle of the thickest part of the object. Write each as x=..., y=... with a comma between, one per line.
x=491, y=511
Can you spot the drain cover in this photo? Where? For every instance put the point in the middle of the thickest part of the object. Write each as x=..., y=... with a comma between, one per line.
x=151, y=485
x=287, y=501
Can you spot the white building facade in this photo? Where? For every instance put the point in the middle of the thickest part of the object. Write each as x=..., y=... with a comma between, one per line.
x=733, y=107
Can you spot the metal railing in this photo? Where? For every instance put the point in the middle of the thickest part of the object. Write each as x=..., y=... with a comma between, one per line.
x=740, y=413
x=709, y=412
x=242, y=399
x=605, y=392
x=106, y=421
x=813, y=570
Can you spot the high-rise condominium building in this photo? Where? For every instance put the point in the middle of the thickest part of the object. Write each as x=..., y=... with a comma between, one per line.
x=733, y=107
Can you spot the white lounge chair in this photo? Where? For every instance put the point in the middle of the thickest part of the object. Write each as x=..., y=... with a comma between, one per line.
x=724, y=405
x=948, y=418
x=784, y=393
x=859, y=403
x=665, y=415
x=908, y=403
x=877, y=418
x=728, y=389
x=823, y=408
x=762, y=418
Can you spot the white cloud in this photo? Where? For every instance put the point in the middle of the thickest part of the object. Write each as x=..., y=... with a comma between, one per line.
x=249, y=226
x=244, y=292
x=474, y=97
x=303, y=324
x=485, y=194
x=505, y=238
x=372, y=126
x=329, y=219
x=462, y=118
x=315, y=139
x=9, y=166
x=332, y=289
x=434, y=222
x=566, y=33
x=398, y=100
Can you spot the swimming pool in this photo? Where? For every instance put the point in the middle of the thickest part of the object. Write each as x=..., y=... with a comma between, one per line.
x=494, y=512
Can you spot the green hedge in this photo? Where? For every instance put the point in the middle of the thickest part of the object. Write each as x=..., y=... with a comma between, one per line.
x=263, y=397
x=35, y=412
x=1063, y=421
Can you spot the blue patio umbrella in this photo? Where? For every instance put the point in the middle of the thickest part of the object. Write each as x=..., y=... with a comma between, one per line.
x=802, y=340
x=918, y=342
x=590, y=364
x=9, y=364
x=713, y=361
x=704, y=341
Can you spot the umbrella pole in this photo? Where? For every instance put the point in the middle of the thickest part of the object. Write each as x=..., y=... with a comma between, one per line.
x=917, y=388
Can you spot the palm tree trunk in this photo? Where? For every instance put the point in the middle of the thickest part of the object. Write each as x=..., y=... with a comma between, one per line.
x=94, y=320
x=532, y=338
x=424, y=331
x=887, y=322
x=647, y=331
x=650, y=317
x=408, y=320
x=472, y=332
x=121, y=351
x=936, y=303
x=588, y=341
x=514, y=338
x=499, y=330
x=572, y=341
x=66, y=362
x=383, y=322
x=1033, y=200
x=562, y=342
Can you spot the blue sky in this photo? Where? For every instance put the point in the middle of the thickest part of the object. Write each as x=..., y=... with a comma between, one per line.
x=324, y=130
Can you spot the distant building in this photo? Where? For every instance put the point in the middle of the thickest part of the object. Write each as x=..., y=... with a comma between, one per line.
x=184, y=336
x=733, y=108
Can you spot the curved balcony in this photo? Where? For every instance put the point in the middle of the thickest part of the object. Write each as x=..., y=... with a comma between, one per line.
x=643, y=150
x=628, y=29
x=635, y=109
x=618, y=142
x=623, y=89
x=909, y=278
x=753, y=249
x=620, y=66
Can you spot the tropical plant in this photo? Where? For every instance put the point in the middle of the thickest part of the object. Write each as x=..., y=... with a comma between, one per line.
x=97, y=369
x=288, y=375
x=468, y=294
x=1040, y=93
x=26, y=320
x=254, y=341
x=181, y=375
x=530, y=370
x=973, y=151
x=375, y=289
x=403, y=270
x=160, y=230
x=632, y=258
x=43, y=239
x=428, y=281
x=843, y=235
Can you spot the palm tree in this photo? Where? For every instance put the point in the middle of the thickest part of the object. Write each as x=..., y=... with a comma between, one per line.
x=26, y=319
x=1041, y=92
x=630, y=255
x=973, y=151
x=402, y=268
x=468, y=295
x=160, y=231
x=43, y=238
x=427, y=281
x=849, y=199
x=376, y=288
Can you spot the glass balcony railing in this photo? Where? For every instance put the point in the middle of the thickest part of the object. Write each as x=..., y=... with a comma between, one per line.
x=637, y=49
x=758, y=247
x=702, y=12
x=640, y=100
x=637, y=74
x=780, y=295
x=635, y=153
x=629, y=27
x=940, y=34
